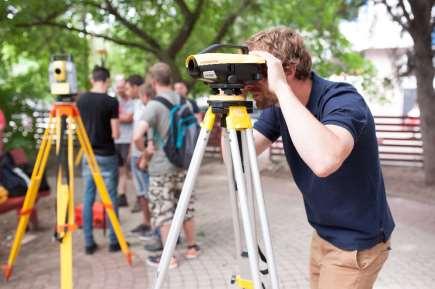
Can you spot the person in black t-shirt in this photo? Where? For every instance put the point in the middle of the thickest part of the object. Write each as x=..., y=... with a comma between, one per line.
x=99, y=112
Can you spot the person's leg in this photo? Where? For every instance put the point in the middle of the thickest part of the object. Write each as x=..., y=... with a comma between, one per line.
x=351, y=269
x=88, y=201
x=162, y=209
x=109, y=171
x=315, y=259
x=144, y=198
x=189, y=221
x=122, y=150
x=141, y=183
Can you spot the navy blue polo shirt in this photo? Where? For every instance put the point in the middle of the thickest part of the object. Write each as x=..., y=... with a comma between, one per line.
x=349, y=207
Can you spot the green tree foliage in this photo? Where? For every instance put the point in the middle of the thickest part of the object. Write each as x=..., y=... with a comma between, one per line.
x=137, y=33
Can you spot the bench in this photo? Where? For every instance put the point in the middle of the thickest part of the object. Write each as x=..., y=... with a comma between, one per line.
x=16, y=203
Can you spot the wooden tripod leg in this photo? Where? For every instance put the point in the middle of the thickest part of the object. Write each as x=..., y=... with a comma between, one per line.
x=31, y=195
x=99, y=183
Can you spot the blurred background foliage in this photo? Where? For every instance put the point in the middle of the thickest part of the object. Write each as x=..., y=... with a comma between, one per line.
x=137, y=33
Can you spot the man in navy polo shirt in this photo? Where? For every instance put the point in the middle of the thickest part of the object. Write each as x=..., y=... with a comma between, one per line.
x=330, y=144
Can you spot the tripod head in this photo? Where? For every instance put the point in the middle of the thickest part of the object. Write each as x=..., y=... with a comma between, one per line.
x=62, y=77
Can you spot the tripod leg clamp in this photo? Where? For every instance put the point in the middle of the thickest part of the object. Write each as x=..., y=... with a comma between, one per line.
x=26, y=212
x=66, y=228
x=242, y=283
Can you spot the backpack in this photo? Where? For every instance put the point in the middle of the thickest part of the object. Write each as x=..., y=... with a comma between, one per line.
x=11, y=178
x=17, y=178
x=182, y=133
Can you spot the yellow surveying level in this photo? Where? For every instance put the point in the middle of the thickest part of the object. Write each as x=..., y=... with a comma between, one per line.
x=63, y=122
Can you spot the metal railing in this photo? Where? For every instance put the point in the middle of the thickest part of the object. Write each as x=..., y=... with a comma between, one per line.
x=399, y=141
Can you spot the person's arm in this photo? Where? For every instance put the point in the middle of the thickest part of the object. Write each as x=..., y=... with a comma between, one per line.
x=261, y=142
x=322, y=147
x=126, y=117
x=114, y=124
x=138, y=134
x=114, y=120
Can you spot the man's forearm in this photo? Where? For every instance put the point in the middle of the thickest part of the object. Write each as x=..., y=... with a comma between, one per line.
x=126, y=117
x=316, y=144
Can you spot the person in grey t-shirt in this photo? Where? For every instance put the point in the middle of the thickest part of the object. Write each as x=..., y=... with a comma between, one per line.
x=122, y=144
x=166, y=180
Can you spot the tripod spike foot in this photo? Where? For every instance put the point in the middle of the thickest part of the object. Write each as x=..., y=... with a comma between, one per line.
x=129, y=258
x=7, y=271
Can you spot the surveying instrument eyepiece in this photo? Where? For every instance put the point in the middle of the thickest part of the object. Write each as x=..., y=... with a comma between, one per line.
x=63, y=125
x=227, y=74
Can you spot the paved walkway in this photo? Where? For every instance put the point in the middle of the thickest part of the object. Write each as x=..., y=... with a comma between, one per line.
x=410, y=266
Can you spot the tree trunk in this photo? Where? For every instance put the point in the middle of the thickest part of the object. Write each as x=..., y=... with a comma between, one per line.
x=424, y=73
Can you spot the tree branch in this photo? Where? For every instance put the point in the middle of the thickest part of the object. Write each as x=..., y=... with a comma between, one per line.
x=190, y=20
x=229, y=21
x=84, y=31
x=396, y=18
x=405, y=12
x=132, y=27
x=183, y=7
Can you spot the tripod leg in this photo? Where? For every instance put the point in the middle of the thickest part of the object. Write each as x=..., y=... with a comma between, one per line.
x=99, y=182
x=261, y=208
x=248, y=177
x=183, y=202
x=233, y=198
x=243, y=273
x=31, y=195
x=65, y=212
x=244, y=208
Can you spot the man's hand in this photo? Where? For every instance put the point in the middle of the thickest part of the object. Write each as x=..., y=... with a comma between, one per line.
x=276, y=77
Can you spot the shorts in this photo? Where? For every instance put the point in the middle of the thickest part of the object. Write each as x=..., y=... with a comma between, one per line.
x=164, y=195
x=122, y=150
x=141, y=179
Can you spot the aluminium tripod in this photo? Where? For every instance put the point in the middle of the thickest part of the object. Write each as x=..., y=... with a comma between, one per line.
x=243, y=175
x=64, y=119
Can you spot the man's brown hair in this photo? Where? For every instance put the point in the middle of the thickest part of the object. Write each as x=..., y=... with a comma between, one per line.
x=286, y=45
x=161, y=72
x=147, y=89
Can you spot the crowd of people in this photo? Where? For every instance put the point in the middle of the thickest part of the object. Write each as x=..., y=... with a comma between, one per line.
x=127, y=133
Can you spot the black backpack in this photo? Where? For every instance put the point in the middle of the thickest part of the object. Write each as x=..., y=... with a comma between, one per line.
x=14, y=183
x=182, y=134
x=15, y=178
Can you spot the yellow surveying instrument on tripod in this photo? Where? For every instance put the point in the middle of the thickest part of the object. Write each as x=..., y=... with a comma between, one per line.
x=227, y=74
x=63, y=123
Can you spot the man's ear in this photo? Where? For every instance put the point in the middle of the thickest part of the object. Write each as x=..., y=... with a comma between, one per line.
x=290, y=72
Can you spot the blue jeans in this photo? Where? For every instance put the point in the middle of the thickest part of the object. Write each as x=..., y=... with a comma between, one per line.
x=109, y=171
x=141, y=179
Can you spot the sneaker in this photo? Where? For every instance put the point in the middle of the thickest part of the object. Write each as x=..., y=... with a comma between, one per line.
x=116, y=247
x=136, y=208
x=122, y=201
x=154, y=261
x=140, y=228
x=90, y=250
x=145, y=235
x=155, y=246
x=192, y=252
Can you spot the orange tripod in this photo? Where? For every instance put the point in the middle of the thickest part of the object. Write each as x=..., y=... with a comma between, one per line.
x=63, y=123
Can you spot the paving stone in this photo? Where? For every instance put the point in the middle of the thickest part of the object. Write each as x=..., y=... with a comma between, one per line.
x=411, y=263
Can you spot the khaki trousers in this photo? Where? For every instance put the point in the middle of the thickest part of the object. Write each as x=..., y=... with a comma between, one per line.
x=334, y=268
